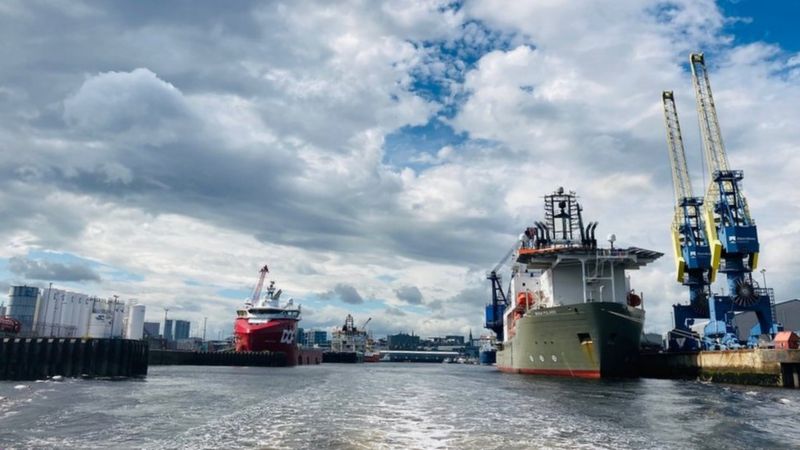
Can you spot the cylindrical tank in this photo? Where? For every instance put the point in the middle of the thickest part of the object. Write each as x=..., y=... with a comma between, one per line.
x=49, y=304
x=135, y=322
x=22, y=305
x=66, y=315
x=83, y=317
x=100, y=325
x=118, y=318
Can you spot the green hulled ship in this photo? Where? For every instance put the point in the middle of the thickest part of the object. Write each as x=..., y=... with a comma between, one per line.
x=569, y=310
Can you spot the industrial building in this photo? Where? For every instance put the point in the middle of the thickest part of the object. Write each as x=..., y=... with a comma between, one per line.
x=311, y=338
x=152, y=329
x=175, y=330
x=52, y=312
x=786, y=313
x=402, y=341
x=22, y=306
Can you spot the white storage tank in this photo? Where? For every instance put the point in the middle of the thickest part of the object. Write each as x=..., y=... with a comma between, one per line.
x=83, y=317
x=118, y=318
x=135, y=328
x=64, y=329
x=100, y=325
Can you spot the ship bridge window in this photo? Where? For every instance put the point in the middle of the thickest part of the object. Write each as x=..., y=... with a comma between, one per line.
x=584, y=338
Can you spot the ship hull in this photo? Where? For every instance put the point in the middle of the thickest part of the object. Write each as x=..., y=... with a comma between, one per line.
x=586, y=340
x=277, y=335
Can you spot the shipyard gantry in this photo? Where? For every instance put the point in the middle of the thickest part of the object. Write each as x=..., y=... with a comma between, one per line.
x=712, y=234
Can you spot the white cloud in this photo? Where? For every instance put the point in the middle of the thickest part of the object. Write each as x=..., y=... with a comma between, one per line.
x=259, y=137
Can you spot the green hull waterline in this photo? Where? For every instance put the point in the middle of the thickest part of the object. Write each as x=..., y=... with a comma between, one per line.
x=591, y=340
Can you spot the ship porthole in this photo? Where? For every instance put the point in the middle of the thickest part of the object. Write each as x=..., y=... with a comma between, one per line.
x=531, y=358
x=554, y=358
x=541, y=358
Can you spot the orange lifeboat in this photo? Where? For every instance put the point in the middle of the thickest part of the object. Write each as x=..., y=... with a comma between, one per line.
x=525, y=299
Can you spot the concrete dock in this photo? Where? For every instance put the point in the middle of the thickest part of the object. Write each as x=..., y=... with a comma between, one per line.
x=764, y=367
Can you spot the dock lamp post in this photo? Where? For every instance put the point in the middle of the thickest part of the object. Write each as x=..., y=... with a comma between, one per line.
x=764, y=276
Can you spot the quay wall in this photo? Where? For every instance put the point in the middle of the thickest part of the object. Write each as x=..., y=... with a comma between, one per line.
x=39, y=358
x=172, y=357
x=342, y=357
x=765, y=367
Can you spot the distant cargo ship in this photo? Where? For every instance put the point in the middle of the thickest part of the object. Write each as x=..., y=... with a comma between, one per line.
x=570, y=309
x=353, y=344
x=263, y=324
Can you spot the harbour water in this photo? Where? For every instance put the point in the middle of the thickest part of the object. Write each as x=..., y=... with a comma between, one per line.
x=388, y=405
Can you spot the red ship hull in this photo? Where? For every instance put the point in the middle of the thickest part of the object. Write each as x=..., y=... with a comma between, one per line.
x=277, y=335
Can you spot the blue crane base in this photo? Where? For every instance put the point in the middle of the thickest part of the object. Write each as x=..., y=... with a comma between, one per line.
x=682, y=338
x=720, y=332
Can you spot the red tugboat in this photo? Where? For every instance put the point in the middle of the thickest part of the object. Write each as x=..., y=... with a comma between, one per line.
x=263, y=324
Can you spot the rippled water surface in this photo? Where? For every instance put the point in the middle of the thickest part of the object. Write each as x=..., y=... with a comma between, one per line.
x=389, y=405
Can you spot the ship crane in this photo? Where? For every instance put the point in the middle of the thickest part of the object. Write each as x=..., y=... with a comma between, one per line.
x=731, y=230
x=690, y=244
x=364, y=327
x=260, y=285
x=494, y=311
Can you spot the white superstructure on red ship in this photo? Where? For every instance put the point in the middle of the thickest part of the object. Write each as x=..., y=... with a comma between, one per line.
x=263, y=324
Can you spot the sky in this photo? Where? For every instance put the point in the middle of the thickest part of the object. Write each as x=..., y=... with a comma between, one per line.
x=379, y=157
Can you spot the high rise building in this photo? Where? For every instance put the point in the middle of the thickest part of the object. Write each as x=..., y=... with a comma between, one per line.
x=168, y=330
x=182, y=329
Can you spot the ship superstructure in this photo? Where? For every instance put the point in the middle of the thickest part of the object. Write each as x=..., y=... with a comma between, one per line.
x=569, y=308
x=349, y=338
x=264, y=324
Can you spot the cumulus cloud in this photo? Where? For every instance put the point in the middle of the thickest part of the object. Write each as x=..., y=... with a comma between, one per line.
x=214, y=138
x=345, y=293
x=136, y=103
x=51, y=271
x=394, y=312
x=409, y=294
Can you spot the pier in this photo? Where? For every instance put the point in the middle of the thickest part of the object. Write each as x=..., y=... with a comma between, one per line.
x=40, y=358
x=763, y=367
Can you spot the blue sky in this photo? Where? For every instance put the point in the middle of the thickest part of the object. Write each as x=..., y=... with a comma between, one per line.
x=773, y=22
x=379, y=157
